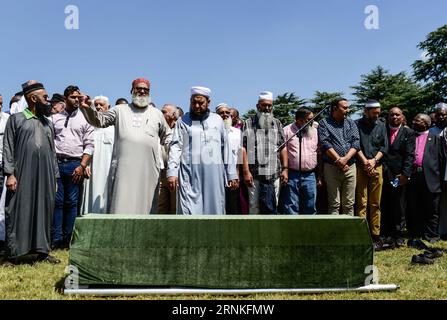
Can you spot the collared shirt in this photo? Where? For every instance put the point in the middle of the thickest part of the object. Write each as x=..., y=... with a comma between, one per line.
x=342, y=137
x=309, y=148
x=261, y=145
x=373, y=137
x=73, y=135
x=421, y=142
x=393, y=133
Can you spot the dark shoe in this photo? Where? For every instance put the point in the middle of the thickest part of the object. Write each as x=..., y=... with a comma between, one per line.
x=421, y=259
x=417, y=244
x=378, y=245
x=9, y=263
x=46, y=258
x=400, y=242
x=433, y=253
x=388, y=243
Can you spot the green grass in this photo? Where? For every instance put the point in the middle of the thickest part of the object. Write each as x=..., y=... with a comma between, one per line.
x=44, y=281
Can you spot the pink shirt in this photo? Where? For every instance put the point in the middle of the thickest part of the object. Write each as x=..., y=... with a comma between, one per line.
x=73, y=135
x=394, y=132
x=421, y=141
x=309, y=147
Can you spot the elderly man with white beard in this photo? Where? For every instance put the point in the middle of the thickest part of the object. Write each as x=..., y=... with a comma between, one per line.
x=264, y=167
x=135, y=167
x=232, y=201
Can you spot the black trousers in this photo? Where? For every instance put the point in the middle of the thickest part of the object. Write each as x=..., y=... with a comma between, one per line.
x=232, y=202
x=422, y=209
x=393, y=207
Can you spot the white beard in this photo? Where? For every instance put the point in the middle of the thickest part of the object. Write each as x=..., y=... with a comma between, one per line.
x=141, y=102
x=228, y=123
x=265, y=120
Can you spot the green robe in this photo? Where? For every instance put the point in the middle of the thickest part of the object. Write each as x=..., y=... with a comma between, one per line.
x=29, y=155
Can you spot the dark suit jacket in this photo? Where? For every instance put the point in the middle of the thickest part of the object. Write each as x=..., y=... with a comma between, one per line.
x=434, y=163
x=400, y=157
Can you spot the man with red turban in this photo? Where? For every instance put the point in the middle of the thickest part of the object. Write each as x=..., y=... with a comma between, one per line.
x=135, y=167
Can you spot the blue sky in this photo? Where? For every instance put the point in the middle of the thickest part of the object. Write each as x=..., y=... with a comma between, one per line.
x=236, y=48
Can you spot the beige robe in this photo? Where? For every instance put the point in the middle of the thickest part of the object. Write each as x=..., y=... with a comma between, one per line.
x=135, y=168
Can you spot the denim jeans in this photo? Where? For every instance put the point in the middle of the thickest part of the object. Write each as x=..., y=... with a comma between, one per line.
x=66, y=207
x=300, y=194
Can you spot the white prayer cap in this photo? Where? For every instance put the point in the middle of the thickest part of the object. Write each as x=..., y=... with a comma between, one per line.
x=101, y=98
x=221, y=105
x=202, y=91
x=441, y=106
x=371, y=104
x=266, y=95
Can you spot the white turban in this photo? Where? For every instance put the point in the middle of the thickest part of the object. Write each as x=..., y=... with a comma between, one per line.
x=266, y=95
x=441, y=106
x=202, y=91
x=221, y=105
x=101, y=98
x=371, y=104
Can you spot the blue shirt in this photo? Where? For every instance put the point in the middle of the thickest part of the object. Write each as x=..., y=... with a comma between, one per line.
x=342, y=137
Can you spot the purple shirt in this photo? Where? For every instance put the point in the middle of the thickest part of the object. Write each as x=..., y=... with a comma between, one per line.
x=73, y=136
x=421, y=141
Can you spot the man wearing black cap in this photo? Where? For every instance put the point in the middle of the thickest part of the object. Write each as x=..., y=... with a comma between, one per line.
x=31, y=170
x=58, y=103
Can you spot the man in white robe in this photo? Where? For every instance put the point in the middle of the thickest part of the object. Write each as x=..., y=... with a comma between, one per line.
x=198, y=159
x=96, y=187
x=135, y=167
x=3, y=119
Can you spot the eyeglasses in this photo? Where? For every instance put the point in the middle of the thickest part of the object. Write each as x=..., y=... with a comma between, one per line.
x=145, y=90
x=224, y=112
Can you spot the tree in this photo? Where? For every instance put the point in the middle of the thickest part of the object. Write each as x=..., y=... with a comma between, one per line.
x=322, y=99
x=432, y=70
x=284, y=108
x=390, y=90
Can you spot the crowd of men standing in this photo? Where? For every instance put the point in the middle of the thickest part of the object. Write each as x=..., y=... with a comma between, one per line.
x=71, y=155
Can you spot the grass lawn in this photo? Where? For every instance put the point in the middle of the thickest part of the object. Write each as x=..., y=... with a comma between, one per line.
x=44, y=281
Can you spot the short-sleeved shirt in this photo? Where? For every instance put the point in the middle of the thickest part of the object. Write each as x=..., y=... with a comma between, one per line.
x=262, y=148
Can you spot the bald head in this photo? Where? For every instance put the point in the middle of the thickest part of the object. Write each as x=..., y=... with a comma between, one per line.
x=395, y=117
x=421, y=122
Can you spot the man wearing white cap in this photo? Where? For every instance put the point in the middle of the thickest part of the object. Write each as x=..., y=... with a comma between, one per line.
x=96, y=187
x=234, y=137
x=374, y=145
x=264, y=167
x=198, y=159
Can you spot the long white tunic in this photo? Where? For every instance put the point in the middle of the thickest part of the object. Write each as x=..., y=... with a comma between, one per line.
x=3, y=119
x=198, y=156
x=135, y=166
x=96, y=188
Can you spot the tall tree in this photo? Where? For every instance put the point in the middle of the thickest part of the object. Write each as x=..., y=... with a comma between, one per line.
x=432, y=70
x=322, y=99
x=285, y=106
x=391, y=89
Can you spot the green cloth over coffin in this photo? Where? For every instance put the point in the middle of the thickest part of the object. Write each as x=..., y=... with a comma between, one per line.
x=222, y=252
